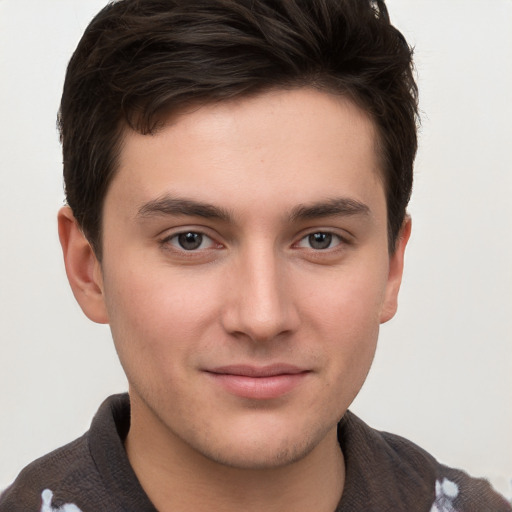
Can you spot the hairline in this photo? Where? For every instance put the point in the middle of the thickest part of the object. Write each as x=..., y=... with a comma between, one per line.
x=165, y=117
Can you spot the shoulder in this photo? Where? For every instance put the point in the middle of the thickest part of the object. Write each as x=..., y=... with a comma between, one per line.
x=57, y=472
x=393, y=473
x=455, y=490
x=458, y=491
x=77, y=476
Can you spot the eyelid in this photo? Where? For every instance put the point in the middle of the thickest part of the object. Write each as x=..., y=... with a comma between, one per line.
x=333, y=244
x=205, y=240
x=344, y=237
x=168, y=235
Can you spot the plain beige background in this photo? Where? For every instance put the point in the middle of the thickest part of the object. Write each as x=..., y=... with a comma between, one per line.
x=443, y=372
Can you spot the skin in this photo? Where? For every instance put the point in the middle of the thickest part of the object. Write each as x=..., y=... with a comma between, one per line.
x=256, y=178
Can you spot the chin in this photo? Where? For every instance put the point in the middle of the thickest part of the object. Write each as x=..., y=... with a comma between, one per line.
x=259, y=447
x=260, y=458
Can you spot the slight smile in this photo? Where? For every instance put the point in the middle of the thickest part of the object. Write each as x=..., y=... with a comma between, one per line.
x=259, y=382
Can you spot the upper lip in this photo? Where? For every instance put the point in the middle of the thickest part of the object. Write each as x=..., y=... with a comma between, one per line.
x=258, y=371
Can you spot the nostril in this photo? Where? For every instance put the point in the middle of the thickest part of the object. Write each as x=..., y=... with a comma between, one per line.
x=260, y=321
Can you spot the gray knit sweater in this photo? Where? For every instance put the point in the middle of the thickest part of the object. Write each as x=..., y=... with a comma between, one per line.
x=384, y=473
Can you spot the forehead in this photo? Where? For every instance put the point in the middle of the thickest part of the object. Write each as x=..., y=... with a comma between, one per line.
x=288, y=144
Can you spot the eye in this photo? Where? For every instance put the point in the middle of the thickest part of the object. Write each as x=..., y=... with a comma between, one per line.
x=320, y=241
x=190, y=241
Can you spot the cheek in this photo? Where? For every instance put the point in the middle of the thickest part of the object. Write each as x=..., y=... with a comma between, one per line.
x=351, y=299
x=351, y=350
x=348, y=326
x=156, y=320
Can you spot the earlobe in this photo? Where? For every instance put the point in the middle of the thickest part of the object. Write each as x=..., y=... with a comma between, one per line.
x=82, y=267
x=396, y=269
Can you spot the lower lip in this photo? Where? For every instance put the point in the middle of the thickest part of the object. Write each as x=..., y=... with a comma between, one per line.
x=259, y=388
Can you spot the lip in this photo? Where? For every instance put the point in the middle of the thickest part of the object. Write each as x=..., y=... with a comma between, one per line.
x=258, y=382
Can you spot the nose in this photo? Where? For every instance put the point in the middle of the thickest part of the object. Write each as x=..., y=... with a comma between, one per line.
x=262, y=305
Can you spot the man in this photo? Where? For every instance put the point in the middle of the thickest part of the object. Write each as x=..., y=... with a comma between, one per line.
x=237, y=175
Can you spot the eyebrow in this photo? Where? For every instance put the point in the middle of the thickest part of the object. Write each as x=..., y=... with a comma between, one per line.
x=340, y=206
x=188, y=207
x=174, y=206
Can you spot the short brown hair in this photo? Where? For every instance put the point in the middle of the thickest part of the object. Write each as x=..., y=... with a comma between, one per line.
x=140, y=59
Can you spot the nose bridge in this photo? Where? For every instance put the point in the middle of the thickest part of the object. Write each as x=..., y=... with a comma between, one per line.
x=262, y=305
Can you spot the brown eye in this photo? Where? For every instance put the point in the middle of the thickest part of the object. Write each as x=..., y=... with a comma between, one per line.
x=320, y=241
x=190, y=241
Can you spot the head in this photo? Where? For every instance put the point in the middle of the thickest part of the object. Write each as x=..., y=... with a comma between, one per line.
x=141, y=61
x=237, y=175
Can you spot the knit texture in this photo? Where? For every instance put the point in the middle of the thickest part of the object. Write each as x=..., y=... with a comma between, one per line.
x=384, y=473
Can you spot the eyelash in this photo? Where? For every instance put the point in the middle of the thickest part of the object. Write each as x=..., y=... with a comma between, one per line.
x=328, y=236
x=176, y=244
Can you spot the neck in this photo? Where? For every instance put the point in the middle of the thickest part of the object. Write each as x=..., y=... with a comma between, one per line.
x=177, y=477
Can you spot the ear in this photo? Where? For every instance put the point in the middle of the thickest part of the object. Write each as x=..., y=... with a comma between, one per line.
x=82, y=267
x=396, y=269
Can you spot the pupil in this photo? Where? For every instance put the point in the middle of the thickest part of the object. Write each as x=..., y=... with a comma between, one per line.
x=190, y=241
x=320, y=240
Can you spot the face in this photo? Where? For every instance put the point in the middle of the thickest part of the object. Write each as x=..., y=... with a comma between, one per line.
x=246, y=271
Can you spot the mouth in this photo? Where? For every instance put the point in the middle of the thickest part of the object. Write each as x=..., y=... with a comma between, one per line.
x=258, y=382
